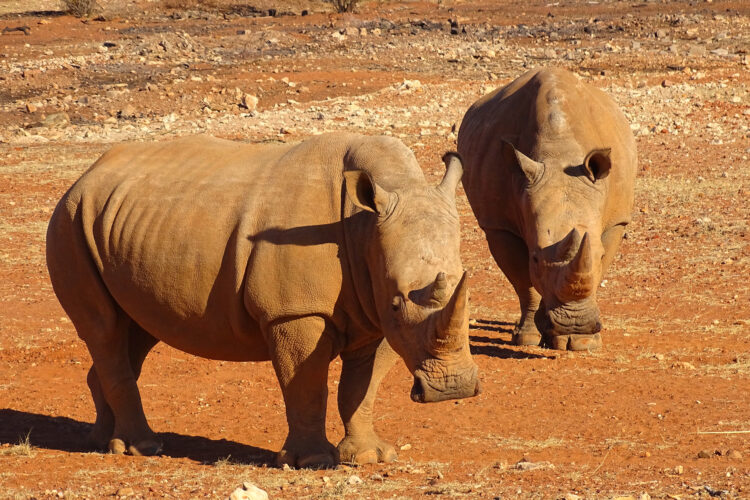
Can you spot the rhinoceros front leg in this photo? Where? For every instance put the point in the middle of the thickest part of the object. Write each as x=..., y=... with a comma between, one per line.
x=361, y=373
x=301, y=350
x=512, y=255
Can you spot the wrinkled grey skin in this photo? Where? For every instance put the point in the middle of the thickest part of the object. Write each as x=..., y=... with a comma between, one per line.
x=550, y=164
x=295, y=254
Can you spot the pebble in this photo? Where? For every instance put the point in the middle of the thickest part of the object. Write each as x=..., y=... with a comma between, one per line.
x=734, y=455
x=30, y=107
x=248, y=492
x=354, y=479
x=705, y=454
x=405, y=447
x=125, y=492
x=250, y=102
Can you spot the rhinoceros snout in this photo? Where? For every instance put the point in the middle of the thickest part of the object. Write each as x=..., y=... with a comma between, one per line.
x=427, y=390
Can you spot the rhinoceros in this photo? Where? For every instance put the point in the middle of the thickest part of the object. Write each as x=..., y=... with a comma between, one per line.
x=549, y=169
x=297, y=254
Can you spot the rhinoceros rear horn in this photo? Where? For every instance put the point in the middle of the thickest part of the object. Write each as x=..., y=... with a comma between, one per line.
x=568, y=246
x=532, y=170
x=454, y=169
x=453, y=319
x=439, y=292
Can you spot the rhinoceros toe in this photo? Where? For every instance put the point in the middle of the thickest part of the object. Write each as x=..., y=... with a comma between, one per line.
x=146, y=447
x=366, y=451
x=313, y=457
x=575, y=342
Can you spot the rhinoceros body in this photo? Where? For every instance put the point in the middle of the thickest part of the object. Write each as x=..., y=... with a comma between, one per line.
x=550, y=164
x=289, y=253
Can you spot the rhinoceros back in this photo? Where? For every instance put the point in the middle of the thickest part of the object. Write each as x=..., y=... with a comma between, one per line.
x=545, y=114
x=201, y=241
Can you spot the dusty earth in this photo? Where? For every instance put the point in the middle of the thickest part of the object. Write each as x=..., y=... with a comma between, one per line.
x=662, y=411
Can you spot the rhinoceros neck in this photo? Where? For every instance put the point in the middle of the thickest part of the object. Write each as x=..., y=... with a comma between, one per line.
x=359, y=229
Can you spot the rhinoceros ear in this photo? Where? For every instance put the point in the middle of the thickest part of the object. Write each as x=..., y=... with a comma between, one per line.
x=597, y=164
x=532, y=170
x=365, y=193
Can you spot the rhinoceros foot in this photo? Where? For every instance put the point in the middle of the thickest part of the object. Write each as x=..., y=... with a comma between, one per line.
x=574, y=342
x=320, y=455
x=367, y=450
x=146, y=447
x=526, y=334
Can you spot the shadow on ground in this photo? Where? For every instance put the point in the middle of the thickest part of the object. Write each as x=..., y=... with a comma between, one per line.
x=69, y=435
x=495, y=348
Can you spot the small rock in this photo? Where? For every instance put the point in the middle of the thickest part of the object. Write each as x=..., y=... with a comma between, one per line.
x=720, y=52
x=377, y=477
x=56, y=120
x=354, y=479
x=250, y=102
x=734, y=455
x=705, y=454
x=405, y=447
x=127, y=112
x=248, y=492
x=644, y=496
x=679, y=470
x=31, y=108
x=661, y=33
x=572, y=496
x=667, y=83
x=125, y=492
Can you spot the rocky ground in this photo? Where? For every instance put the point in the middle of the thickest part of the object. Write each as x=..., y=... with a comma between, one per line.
x=661, y=411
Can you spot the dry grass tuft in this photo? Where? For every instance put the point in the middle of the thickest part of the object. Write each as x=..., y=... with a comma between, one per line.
x=344, y=5
x=24, y=448
x=79, y=8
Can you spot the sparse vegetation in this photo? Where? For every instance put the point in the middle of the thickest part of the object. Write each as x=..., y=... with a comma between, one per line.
x=24, y=448
x=344, y=5
x=79, y=8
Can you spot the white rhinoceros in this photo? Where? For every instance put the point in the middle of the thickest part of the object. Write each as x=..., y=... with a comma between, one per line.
x=550, y=164
x=291, y=253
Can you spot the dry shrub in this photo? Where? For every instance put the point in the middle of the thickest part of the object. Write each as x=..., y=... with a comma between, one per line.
x=79, y=8
x=344, y=5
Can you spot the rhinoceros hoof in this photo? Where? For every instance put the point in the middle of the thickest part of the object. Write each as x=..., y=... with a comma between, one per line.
x=320, y=459
x=146, y=447
x=365, y=451
x=523, y=338
x=575, y=342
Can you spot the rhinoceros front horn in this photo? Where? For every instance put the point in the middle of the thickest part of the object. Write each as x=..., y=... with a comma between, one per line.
x=453, y=319
x=578, y=277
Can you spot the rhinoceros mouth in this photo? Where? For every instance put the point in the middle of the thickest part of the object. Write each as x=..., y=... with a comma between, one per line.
x=572, y=327
x=430, y=390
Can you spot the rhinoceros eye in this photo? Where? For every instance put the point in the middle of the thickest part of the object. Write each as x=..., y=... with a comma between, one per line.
x=397, y=303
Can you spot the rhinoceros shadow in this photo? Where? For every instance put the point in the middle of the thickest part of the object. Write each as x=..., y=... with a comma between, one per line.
x=495, y=350
x=69, y=435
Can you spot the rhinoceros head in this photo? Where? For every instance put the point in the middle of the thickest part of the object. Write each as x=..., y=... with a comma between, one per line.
x=418, y=283
x=561, y=217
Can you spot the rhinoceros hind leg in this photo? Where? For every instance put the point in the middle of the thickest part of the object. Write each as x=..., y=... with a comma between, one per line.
x=301, y=350
x=361, y=373
x=104, y=425
x=140, y=343
x=512, y=255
